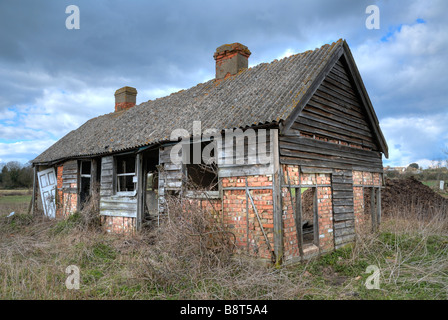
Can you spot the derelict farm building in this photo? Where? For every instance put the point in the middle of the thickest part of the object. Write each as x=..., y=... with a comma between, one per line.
x=320, y=177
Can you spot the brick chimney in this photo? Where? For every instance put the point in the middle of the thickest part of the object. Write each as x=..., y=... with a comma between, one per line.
x=231, y=58
x=125, y=98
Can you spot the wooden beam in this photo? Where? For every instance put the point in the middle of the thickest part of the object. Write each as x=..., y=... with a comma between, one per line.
x=299, y=227
x=33, y=200
x=378, y=200
x=372, y=208
x=276, y=194
x=268, y=243
x=140, y=191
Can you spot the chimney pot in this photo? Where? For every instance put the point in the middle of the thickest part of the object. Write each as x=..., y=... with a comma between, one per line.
x=125, y=98
x=231, y=58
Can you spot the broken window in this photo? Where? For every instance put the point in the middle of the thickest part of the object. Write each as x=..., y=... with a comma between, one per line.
x=85, y=181
x=367, y=192
x=202, y=175
x=372, y=204
x=125, y=171
x=309, y=215
x=306, y=216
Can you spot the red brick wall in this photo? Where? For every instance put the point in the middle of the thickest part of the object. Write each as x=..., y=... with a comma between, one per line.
x=325, y=211
x=358, y=203
x=119, y=225
x=363, y=179
x=244, y=224
x=66, y=202
x=59, y=199
x=69, y=202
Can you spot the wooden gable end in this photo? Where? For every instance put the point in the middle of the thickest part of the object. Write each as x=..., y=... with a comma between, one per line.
x=333, y=129
x=335, y=113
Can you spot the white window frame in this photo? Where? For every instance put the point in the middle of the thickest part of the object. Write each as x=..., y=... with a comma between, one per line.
x=118, y=175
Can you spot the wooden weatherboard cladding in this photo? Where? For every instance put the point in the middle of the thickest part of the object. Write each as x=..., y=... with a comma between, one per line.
x=70, y=176
x=343, y=210
x=333, y=130
x=111, y=204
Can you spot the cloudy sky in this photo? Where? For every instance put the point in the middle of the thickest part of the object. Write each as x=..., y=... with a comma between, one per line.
x=53, y=79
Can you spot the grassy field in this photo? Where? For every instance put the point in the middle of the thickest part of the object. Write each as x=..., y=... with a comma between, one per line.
x=14, y=201
x=435, y=185
x=173, y=263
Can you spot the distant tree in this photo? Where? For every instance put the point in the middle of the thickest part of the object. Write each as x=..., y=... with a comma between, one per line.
x=26, y=176
x=11, y=180
x=15, y=175
x=413, y=165
x=392, y=174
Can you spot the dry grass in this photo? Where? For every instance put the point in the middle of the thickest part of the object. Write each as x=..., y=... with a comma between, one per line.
x=191, y=257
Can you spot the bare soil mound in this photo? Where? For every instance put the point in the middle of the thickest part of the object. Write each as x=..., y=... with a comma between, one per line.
x=407, y=192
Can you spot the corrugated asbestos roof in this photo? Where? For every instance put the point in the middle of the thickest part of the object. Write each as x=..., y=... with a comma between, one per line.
x=263, y=94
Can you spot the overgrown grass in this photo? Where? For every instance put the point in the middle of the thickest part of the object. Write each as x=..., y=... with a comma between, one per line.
x=14, y=201
x=176, y=262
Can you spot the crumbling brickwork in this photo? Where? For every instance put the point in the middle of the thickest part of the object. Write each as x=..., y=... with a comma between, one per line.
x=240, y=217
x=362, y=182
x=66, y=201
x=59, y=197
x=118, y=225
x=322, y=184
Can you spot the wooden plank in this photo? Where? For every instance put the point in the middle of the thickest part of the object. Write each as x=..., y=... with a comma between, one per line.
x=339, y=94
x=332, y=129
x=356, y=129
x=315, y=129
x=338, y=104
x=33, y=199
x=378, y=218
x=299, y=213
x=343, y=201
x=342, y=194
x=328, y=103
x=295, y=114
x=327, y=164
x=373, y=209
x=342, y=209
x=317, y=109
x=343, y=232
x=341, y=88
x=317, y=153
x=318, y=106
x=316, y=220
x=348, y=163
x=342, y=149
x=140, y=191
x=343, y=186
x=118, y=213
x=126, y=206
x=245, y=170
x=276, y=193
x=343, y=81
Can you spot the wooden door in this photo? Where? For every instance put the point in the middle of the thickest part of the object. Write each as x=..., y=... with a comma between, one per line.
x=47, y=185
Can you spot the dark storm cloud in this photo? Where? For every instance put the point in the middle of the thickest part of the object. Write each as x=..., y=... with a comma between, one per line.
x=47, y=72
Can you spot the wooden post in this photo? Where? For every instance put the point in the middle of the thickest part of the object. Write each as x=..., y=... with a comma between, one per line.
x=140, y=191
x=372, y=208
x=276, y=193
x=316, y=217
x=298, y=212
x=33, y=200
x=247, y=217
x=378, y=208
